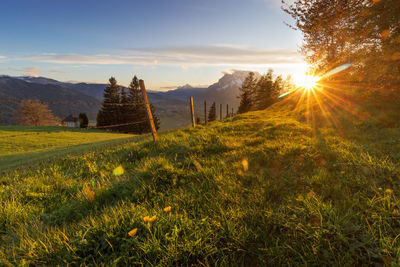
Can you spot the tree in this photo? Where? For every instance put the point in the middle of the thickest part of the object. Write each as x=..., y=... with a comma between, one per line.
x=365, y=33
x=136, y=111
x=124, y=111
x=265, y=91
x=83, y=120
x=109, y=114
x=35, y=113
x=212, y=113
x=247, y=93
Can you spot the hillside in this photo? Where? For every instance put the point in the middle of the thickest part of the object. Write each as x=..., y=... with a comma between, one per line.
x=172, y=107
x=263, y=188
x=17, y=89
x=21, y=145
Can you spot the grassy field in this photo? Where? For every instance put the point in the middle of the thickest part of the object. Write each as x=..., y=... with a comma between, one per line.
x=260, y=189
x=21, y=146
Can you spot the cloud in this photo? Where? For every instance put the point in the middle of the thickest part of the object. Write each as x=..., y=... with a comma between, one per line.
x=58, y=71
x=169, y=87
x=219, y=54
x=31, y=71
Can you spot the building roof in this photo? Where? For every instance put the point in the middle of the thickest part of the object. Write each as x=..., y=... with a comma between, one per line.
x=70, y=118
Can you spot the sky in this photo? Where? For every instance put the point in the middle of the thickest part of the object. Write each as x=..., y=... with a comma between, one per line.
x=168, y=43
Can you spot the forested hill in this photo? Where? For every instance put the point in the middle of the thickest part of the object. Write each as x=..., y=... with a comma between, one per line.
x=172, y=107
x=17, y=89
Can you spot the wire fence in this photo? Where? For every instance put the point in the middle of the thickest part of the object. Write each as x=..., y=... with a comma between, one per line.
x=69, y=103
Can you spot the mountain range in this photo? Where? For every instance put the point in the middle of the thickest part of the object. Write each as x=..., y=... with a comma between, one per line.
x=172, y=106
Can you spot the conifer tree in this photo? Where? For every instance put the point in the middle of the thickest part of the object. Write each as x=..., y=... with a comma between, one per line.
x=124, y=110
x=265, y=92
x=109, y=114
x=212, y=113
x=83, y=120
x=136, y=111
x=247, y=93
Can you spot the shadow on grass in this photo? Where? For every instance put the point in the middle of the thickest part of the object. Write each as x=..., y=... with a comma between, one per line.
x=27, y=160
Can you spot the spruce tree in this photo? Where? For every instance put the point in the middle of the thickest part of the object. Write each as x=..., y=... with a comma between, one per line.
x=124, y=110
x=212, y=113
x=264, y=93
x=83, y=120
x=133, y=114
x=247, y=93
x=136, y=112
x=109, y=114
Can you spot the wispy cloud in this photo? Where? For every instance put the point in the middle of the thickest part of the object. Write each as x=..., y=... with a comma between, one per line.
x=32, y=71
x=58, y=71
x=220, y=54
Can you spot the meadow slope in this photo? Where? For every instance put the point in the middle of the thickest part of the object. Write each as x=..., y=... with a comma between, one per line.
x=24, y=145
x=263, y=188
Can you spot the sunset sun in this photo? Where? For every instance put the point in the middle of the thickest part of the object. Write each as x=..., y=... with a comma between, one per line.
x=307, y=82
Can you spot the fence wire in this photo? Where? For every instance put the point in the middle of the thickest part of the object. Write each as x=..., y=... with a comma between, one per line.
x=70, y=103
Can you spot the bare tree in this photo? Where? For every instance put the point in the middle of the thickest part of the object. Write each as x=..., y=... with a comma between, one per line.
x=35, y=113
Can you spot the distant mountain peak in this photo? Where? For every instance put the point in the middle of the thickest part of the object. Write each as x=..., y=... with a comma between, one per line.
x=186, y=86
x=232, y=79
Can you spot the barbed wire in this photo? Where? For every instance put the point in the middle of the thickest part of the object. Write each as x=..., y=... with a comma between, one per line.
x=117, y=125
x=69, y=103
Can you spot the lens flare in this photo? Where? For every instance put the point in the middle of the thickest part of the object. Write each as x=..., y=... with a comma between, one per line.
x=307, y=82
x=337, y=70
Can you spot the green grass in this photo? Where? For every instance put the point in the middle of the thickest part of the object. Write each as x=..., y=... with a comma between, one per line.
x=260, y=189
x=21, y=146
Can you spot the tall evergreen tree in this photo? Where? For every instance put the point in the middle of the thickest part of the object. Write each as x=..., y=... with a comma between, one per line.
x=83, y=120
x=136, y=112
x=212, y=113
x=265, y=92
x=109, y=114
x=124, y=110
x=247, y=93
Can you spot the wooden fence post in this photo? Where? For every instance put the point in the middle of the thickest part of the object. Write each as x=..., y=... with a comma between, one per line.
x=232, y=112
x=205, y=112
x=149, y=115
x=192, y=111
x=220, y=112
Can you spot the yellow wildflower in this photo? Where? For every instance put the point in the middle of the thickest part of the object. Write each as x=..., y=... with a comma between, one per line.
x=389, y=191
x=152, y=219
x=132, y=232
x=245, y=164
x=146, y=219
x=118, y=171
x=167, y=209
x=88, y=193
x=196, y=164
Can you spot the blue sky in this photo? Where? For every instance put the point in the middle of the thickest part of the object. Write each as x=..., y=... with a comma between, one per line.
x=167, y=43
